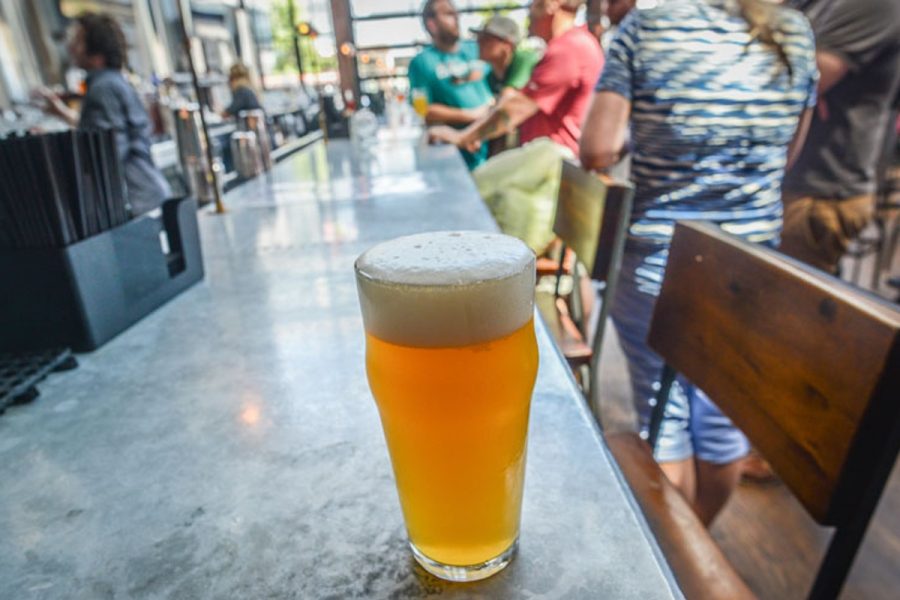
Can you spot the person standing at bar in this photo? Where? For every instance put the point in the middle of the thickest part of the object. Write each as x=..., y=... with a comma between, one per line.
x=718, y=94
x=97, y=45
x=243, y=96
x=511, y=62
x=498, y=46
x=450, y=74
x=829, y=194
x=556, y=98
x=520, y=186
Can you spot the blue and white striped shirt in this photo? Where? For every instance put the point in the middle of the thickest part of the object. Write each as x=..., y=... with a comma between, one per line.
x=713, y=112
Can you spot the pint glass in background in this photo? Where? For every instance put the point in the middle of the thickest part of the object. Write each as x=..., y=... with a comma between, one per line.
x=420, y=102
x=451, y=359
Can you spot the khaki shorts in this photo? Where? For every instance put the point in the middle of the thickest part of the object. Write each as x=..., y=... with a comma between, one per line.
x=817, y=231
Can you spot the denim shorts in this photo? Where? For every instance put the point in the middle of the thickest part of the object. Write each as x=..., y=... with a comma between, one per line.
x=692, y=424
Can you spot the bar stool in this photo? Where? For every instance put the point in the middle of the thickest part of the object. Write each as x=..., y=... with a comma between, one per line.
x=592, y=216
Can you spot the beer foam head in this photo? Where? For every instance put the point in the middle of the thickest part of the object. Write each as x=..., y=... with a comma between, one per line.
x=448, y=288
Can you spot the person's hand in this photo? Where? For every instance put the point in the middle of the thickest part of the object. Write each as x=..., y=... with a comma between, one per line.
x=53, y=103
x=476, y=113
x=469, y=145
x=443, y=134
x=43, y=93
x=447, y=135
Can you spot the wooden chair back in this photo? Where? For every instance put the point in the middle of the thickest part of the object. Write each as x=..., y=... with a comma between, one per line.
x=592, y=216
x=806, y=365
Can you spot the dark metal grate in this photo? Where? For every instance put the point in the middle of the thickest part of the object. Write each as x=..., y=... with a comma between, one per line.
x=21, y=371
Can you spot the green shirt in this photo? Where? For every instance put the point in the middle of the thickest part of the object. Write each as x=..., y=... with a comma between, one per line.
x=518, y=73
x=455, y=79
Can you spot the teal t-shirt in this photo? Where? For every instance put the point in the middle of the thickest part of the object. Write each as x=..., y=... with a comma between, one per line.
x=457, y=79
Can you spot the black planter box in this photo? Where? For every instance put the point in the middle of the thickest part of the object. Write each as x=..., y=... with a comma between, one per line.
x=83, y=295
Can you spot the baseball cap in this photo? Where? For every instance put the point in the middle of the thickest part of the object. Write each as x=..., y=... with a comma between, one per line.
x=500, y=27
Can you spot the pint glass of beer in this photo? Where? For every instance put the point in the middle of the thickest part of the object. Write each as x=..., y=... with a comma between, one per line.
x=451, y=359
x=420, y=102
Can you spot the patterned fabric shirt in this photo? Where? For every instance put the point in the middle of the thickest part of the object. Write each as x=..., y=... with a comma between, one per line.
x=713, y=112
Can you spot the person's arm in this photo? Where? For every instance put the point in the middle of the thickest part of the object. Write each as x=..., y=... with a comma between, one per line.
x=809, y=70
x=796, y=144
x=850, y=35
x=513, y=109
x=604, y=131
x=57, y=107
x=606, y=126
x=832, y=69
x=449, y=115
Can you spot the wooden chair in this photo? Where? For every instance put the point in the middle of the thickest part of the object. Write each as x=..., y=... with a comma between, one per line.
x=591, y=220
x=807, y=366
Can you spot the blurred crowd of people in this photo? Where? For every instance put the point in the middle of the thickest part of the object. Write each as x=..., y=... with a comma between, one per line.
x=96, y=43
x=769, y=119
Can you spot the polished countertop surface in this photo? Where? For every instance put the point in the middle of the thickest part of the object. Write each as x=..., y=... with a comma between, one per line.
x=227, y=445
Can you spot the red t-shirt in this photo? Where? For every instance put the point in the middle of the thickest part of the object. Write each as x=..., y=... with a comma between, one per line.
x=561, y=85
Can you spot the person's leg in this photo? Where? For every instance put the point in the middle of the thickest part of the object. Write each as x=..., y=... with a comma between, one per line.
x=715, y=484
x=756, y=469
x=719, y=447
x=674, y=448
x=639, y=281
x=683, y=475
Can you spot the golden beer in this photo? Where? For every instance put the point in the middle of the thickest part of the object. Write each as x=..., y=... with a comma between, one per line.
x=451, y=359
x=420, y=103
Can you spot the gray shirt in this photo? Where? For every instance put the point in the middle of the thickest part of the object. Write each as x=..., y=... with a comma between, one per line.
x=841, y=154
x=242, y=98
x=111, y=103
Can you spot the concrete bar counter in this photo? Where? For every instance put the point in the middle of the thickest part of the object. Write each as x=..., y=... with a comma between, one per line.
x=227, y=446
